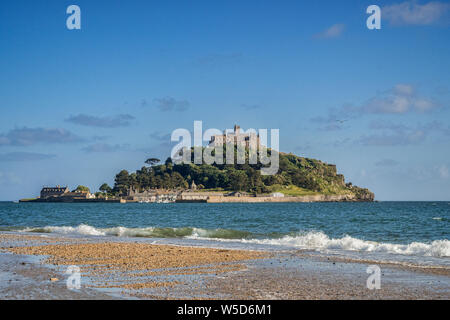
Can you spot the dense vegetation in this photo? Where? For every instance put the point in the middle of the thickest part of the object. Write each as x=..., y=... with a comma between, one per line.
x=296, y=176
x=81, y=189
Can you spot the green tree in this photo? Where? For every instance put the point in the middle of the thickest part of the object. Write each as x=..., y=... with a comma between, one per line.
x=82, y=189
x=105, y=188
x=238, y=180
x=133, y=181
x=122, y=182
x=178, y=180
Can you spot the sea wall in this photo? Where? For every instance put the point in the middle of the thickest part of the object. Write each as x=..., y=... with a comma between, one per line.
x=312, y=198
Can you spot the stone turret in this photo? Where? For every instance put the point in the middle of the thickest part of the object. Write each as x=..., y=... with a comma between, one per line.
x=193, y=185
x=237, y=130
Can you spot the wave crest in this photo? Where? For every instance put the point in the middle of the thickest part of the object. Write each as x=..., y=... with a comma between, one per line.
x=320, y=241
x=313, y=240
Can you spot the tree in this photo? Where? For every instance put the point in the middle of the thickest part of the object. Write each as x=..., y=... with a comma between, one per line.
x=133, y=181
x=152, y=161
x=82, y=189
x=105, y=188
x=238, y=180
x=122, y=182
x=178, y=180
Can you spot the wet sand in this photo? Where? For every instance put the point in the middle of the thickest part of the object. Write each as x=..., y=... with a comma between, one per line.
x=32, y=266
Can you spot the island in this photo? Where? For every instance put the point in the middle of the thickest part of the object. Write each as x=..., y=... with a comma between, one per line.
x=298, y=179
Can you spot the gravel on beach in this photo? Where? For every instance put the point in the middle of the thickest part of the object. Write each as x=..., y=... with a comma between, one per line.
x=138, y=269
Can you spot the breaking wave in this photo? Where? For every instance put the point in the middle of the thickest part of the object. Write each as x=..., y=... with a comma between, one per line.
x=320, y=241
x=313, y=240
x=151, y=232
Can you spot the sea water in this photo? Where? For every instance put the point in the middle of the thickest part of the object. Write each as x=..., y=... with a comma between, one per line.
x=398, y=232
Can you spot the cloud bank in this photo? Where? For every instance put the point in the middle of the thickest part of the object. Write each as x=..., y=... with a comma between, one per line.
x=413, y=13
x=171, y=104
x=121, y=120
x=401, y=99
x=32, y=136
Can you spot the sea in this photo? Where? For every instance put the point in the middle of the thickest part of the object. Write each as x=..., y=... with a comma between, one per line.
x=412, y=233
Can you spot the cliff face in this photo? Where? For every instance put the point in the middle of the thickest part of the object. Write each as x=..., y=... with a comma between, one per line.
x=320, y=177
x=363, y=194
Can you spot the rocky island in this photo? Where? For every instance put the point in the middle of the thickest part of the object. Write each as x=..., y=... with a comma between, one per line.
x=298, y=179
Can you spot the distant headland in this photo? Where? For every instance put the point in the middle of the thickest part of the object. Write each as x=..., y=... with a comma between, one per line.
x=298, y=179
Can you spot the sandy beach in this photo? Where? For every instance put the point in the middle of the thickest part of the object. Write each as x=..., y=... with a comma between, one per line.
x=33, y=266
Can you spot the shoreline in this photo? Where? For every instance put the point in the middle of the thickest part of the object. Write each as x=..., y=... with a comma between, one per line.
x=132, y=268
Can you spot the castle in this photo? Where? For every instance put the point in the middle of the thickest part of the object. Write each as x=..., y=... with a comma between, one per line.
x=249, y=140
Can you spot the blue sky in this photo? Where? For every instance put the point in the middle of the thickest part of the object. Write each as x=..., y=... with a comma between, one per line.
x=77, y=106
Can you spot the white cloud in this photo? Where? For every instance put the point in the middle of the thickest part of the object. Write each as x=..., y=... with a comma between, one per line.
x=332, y=32
x=423, y=105
x=404, y=89
x=402, y=98
x=413, y=13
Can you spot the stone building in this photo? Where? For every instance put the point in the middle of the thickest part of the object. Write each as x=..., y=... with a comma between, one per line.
x=249, y=140
x=147, y=196
x=78, y=195
x=57, y=191
x=144, y=196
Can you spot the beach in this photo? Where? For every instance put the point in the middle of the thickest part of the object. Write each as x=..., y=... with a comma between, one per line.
x=34, y=265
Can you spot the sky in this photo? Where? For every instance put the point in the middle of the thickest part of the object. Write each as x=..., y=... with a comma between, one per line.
x=78, y=106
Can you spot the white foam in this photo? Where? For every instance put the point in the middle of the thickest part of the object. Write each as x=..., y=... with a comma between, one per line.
x=82, y=229
x=320, y=241
x=312, y=240
x=87, y=230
